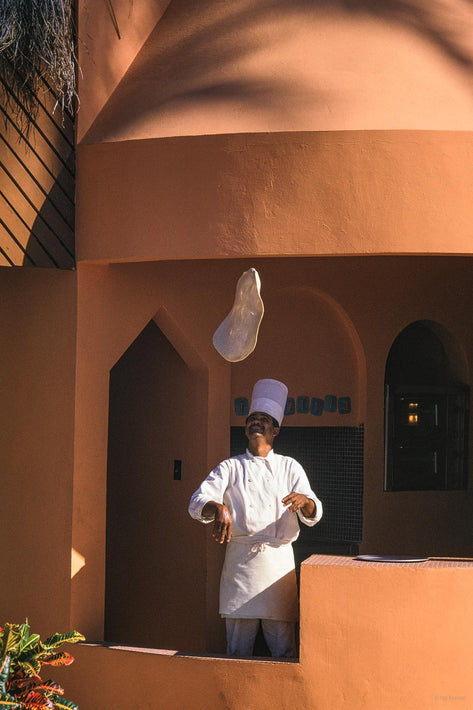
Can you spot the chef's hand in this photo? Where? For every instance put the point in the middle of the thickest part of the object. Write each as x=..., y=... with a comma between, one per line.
x=222, y=527
x=298, y=501
x=222, y=530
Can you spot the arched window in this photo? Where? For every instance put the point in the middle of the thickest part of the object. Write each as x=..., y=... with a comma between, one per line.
x=425, y=413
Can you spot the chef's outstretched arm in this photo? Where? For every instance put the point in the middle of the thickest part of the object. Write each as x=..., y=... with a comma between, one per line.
x=298, y=501
x=222, y=527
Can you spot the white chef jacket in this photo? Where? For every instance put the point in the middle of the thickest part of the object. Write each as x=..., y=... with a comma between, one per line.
x=258, y=577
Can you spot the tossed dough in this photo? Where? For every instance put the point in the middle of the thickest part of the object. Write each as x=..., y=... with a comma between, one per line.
x=236, y=336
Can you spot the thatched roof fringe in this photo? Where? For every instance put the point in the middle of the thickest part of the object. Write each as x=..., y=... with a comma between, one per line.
x=37, y=40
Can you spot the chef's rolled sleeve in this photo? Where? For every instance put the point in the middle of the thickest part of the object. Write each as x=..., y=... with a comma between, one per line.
x=213, y=488
x=318, y=512
x=300, y=484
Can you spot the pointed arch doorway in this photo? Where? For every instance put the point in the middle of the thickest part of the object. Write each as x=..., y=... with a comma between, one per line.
x=157, y=430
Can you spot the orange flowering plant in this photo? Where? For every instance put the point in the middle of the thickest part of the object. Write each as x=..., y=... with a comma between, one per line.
x=21, y=656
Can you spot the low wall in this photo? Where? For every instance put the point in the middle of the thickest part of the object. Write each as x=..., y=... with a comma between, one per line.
x=373, y=636
x=387, y=635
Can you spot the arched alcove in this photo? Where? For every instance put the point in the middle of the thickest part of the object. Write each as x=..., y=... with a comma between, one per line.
x=308, y=341
x=155, y=448
x=426, y=410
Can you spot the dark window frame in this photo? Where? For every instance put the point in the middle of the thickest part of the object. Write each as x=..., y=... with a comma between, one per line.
x=431, y=455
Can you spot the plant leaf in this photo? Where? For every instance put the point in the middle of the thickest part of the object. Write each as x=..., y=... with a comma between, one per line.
x=47, y=689
x=30, y=666
x=58, y=639
x=18, y=684
x=63, y=704
x=62, y=658
x=8, y=701
x=4, y=672
x=11, y=639
x=28, y=644
x=50, y=687
x=37, y=701
x=24, y=631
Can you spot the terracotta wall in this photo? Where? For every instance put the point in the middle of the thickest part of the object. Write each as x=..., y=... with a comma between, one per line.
x=358, y=305
x=173, y=681
x=373, y=637
x=110, y=36
x=115, y=304
x=294, y=194
x=279, y=65
x=37, y=354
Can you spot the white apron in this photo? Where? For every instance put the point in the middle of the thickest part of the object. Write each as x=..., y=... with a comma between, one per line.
x=258, y=581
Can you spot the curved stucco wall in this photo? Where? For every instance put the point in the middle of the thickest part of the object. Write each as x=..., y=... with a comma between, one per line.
x=212, y=67
x=110, y=37
x=280, y=194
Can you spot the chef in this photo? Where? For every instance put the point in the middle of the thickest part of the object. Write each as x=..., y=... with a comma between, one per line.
x=254, y=501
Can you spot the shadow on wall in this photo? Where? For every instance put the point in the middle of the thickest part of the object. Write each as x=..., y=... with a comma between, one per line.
x=213, y=53
x=37, y=188
x=448, y=23
x=51, y=243
x=38, y=183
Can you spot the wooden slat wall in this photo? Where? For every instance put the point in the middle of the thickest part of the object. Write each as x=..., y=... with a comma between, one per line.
x=37, y=188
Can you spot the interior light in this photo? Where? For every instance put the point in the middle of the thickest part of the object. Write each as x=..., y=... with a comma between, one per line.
x=413, y=419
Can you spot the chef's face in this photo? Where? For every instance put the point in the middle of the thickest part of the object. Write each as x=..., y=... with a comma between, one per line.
x=261, y=425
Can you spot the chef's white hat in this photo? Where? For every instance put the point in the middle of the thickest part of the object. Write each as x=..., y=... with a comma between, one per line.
x=269, y=396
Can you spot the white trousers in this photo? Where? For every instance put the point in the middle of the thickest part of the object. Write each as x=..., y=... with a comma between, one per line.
x=280, y=637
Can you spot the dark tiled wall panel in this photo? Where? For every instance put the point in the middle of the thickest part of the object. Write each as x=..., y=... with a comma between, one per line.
x=333, y=460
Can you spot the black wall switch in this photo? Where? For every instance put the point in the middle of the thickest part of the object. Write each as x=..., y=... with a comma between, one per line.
x=177, y=470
